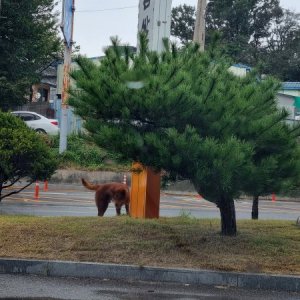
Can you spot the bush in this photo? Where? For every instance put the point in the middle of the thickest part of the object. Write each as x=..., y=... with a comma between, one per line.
x=23, y=153
x=81, y=153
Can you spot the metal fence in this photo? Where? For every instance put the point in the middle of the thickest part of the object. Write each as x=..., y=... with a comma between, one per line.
x=74, y=121
x=42, y=108
x=53, y=111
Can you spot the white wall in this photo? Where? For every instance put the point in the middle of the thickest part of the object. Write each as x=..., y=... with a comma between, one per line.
x=287, y=102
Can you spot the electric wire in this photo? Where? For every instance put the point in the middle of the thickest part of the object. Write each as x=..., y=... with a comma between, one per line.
x=105, y=9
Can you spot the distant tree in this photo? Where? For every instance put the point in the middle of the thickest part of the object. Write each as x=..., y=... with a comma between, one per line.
x=257, y=32
x=183, y=23
x=244, y=25
x=29, y=41
x=281, y=56
x=23, y=155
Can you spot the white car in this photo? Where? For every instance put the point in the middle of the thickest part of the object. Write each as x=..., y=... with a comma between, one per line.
x=38, y=122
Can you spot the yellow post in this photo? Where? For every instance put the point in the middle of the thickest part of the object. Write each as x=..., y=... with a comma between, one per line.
x=145, y=192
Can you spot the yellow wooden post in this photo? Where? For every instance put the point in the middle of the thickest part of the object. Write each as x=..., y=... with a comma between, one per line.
x=145, y=192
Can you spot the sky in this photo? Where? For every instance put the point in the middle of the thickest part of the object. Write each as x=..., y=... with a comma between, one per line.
x=98, y=20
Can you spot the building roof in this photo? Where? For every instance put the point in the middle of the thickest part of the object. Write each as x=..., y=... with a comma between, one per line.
x=291, y=85
x=242, y=66
x=286, y=95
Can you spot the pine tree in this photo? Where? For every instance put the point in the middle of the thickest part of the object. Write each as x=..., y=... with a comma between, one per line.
x=190, y=116
x=276, y=165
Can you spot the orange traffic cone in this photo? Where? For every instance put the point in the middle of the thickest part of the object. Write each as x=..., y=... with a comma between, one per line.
x=36, y=190
x=273, y=197
x=46, y=186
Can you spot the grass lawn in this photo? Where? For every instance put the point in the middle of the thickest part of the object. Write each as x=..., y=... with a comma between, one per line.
x=260, y=246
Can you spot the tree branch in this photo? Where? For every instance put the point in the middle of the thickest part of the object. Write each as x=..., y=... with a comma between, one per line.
x=12, y=183
x=16, y=192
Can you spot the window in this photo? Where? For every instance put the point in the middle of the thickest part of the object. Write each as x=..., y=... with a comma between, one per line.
x=28, y=117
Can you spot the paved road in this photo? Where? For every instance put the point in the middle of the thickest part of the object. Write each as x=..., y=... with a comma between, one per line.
x=43, y=288
x=70, y=200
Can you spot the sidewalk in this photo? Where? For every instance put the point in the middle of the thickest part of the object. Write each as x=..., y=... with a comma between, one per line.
x=153, y=274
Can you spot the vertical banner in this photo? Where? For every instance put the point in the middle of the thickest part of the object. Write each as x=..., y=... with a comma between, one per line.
x=67, y=20
x=155, y=20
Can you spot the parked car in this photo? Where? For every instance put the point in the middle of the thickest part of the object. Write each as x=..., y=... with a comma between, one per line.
x=38, y=122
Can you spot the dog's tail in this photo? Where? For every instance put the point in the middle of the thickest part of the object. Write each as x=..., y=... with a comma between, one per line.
x=89, y=185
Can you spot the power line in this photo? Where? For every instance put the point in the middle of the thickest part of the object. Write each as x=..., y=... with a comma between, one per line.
x=105, y=9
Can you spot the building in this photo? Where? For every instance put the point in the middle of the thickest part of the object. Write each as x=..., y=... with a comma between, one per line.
x=240, y=70
x=288, y=96
x=291, y=88
x=43, y=94
x=290, y=92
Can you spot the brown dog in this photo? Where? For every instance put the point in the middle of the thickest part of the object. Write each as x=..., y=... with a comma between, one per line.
x=114, y=191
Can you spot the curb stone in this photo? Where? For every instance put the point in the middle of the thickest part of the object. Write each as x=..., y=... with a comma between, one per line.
x=155, y=274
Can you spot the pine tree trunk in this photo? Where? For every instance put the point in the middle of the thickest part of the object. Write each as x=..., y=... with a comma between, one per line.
x=255, y=208
x=228, y=220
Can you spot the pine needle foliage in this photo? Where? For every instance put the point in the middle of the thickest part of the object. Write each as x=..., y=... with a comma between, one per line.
x=189, y=116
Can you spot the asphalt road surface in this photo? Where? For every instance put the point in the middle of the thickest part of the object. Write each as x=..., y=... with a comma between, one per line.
x=45, y=288
x=72, y=200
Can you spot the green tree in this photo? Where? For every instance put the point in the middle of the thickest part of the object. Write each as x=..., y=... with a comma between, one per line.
x=276, y=165
x=244, y=25
x=247, y=109
x=23, y=155
x=280, y=55
x=28, y=41
x=183, y=23
x=275, y=161
x=257, y=32
x=190, y=116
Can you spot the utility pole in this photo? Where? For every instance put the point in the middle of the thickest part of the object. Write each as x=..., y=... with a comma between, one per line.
x=67, y=29
x=199, y=32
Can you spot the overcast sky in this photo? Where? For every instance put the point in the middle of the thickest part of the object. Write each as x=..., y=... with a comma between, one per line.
x=93, y=29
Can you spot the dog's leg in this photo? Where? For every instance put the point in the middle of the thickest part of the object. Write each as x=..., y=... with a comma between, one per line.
x=118, y=208
x=127, y=208
x=102, y=207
